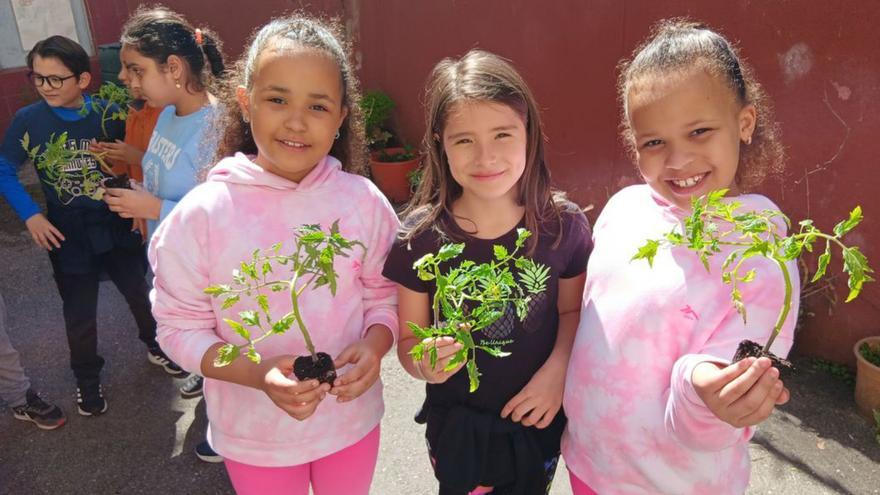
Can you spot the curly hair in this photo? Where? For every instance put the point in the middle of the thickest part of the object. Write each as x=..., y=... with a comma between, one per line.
x=682, y=45
x=305, y=31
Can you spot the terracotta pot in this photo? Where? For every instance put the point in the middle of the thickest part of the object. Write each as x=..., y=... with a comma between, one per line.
x=867, y=380
x=392, y=177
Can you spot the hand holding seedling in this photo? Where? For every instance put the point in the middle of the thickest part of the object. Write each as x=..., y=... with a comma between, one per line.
x=43, y=232
x=715, y=223
x=311, y=267
x=119, y=151
x=445, y=349
x=366, y=356
x=299, y=399
x=540, y=400
x=133, y=203
x=741, y=394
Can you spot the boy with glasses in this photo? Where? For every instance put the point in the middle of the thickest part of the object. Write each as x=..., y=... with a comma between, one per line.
x=84, y=239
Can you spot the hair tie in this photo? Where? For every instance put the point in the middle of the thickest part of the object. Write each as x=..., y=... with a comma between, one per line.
x=199, y=38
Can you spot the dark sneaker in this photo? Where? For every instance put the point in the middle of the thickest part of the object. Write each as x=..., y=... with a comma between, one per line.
x=192, y=386
x=207, y=454
x=157, y=357
x=46, y=416
x=90, y=399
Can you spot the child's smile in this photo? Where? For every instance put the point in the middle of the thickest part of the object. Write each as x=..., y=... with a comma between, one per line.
x=688, y=129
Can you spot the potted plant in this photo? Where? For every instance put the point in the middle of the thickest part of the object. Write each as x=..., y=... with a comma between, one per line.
x=309, y=265
x=867, y=352
x=470, y=297
x=715, y=223
x=53, y=161
x=389, y=166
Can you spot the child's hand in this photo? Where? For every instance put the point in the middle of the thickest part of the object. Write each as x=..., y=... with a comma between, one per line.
x=298, y=399
x=742, y=394
x=43, y=232
x=540, y=400
x=133, y=203
x=357, y=380
x=120, y=151
x=446, y=348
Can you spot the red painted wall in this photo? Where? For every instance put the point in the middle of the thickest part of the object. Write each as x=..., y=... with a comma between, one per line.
x=817, y=60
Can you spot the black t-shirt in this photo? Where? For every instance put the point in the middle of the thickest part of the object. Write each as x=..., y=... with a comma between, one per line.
x=530, y=342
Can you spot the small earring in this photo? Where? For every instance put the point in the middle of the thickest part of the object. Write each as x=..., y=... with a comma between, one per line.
x=177, y=83
x=245, y=119
x=748, y=140
x=337, y=135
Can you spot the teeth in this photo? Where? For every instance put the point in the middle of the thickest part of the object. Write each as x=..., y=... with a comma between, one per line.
x=294, y=144
x=689, y=182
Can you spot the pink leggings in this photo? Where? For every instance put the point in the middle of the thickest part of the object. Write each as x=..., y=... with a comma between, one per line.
x=348, y=471
x=578, y=487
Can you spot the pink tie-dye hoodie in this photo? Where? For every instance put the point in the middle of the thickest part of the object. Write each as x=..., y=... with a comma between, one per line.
x=635, y=423
x=240, y=208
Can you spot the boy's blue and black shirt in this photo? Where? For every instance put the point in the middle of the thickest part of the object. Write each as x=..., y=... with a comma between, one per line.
x=89, y=227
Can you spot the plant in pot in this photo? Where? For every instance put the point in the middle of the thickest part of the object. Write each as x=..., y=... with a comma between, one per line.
x=867, y=392
x=307, y=265
x=389, y=166
x=470, y=297
x=715, y=223
x=68, y=170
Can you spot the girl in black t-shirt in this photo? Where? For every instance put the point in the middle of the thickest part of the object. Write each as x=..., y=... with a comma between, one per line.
x=484, y=177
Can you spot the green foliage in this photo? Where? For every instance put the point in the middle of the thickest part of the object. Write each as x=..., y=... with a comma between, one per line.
x=471, y=296
x=714, y=223
x=414, y=177
x=836, y=370
x=376, y=107
x=870, y=353
x=309, y=265
x=401, y=156
x=57, y=164
x=108, y=96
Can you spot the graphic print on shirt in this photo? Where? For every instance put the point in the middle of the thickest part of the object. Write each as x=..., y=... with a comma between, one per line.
x=163, y=153
x=504, y=326
x=71, y=185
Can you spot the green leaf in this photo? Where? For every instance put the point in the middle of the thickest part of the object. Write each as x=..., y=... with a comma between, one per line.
x=239, y=329
x=856, y=265
x=225, y=355
x=521, y=236
x=855, y=217
x=253, y=355
x=494, y=351
x=250, y=318
x=749, y=276
x=282, y=325
x=420, y=332
x=824, y=259
x=230, y=301
x=449, y=251
x=457, y=358
x=473, y=375
x=647, y=252
x=263, y=302
x=500, y=252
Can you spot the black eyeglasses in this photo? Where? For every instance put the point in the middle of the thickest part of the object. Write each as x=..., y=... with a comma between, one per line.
x=55, y=82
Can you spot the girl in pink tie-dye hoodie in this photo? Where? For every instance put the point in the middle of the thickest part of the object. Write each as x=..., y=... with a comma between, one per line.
x=653, y=404
x=296, y=106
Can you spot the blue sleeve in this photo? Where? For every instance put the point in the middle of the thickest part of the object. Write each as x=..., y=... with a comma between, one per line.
x=167, y=206
x=12, y=155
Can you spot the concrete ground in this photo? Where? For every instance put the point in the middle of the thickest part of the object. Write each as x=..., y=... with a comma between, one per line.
x=815, y=445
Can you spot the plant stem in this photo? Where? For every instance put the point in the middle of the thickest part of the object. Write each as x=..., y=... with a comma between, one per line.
x=299, y=320
x=786, y=305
